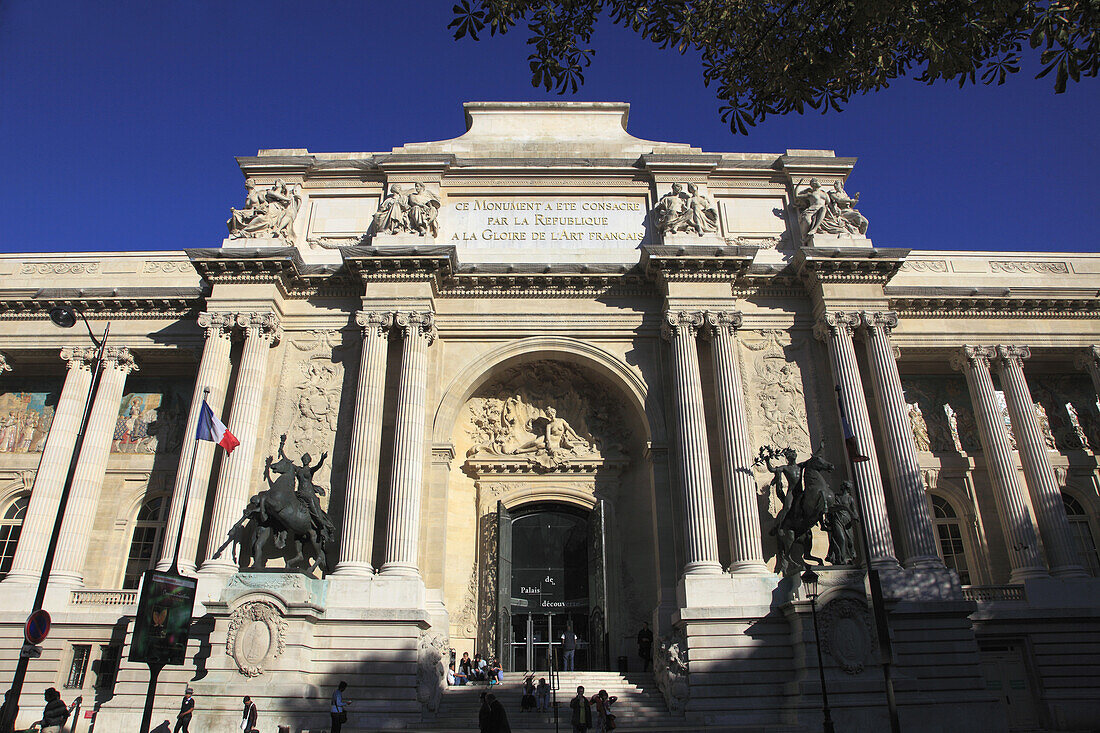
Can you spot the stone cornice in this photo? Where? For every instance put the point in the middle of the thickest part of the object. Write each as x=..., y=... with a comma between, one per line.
x=279, y=265
x=116, y=303
x=696, y=262
x=404, y=263
x=848, y=264
x=993, y=302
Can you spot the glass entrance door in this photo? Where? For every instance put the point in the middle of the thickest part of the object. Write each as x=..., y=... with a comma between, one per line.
x=534, y=635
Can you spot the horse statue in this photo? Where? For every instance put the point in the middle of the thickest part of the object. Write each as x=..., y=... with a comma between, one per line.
x=287, y=510
x=805, y=503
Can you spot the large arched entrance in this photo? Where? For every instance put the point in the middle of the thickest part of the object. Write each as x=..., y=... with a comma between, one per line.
x=552, y=584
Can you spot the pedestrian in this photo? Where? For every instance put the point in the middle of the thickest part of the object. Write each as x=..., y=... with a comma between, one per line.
x=542, y=695
x=498, y=718
x=568, y=646
x=605, y=721
x=483, y=723
x=645, y=645
x=338, y=710
x=187, y=707
x=527, y=703
x=55, y=713
x=249, y=716
x=581, y=716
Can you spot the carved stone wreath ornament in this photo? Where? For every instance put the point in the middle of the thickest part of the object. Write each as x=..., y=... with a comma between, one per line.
x=256, y=638
x=847, y=633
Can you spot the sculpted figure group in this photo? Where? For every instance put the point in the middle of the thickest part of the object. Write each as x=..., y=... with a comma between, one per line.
x=414, y=211
x=829, y=211
x=267, y=212
x=678, y=212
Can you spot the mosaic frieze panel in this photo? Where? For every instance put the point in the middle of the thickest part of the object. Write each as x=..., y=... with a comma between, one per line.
x=940, y=414
x=151, y=418
x=1067, y=404
x=26, y=416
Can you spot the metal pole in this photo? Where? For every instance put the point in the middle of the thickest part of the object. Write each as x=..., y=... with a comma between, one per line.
x=828, y=720
x=7, y=724
x=150, y=696
x=187, y=495
x=878, y=603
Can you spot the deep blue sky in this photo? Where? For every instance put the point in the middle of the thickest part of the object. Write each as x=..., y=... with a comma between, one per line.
x=120, y=120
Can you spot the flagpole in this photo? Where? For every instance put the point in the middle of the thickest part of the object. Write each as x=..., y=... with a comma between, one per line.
x=878, y=603
x=186, y=494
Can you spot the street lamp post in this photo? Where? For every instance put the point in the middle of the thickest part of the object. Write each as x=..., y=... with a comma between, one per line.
x=65, y=317
x=809, y=581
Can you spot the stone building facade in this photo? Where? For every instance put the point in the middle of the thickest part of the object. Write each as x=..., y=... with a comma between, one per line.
x=542, y=360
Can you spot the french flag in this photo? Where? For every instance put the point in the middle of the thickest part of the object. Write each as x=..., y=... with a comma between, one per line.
x=850, y=441
x=211, y=428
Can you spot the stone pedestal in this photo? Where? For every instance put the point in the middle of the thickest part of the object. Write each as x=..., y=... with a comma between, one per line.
x=833, y=241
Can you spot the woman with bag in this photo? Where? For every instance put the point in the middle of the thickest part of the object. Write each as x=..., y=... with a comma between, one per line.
x=339, y=707
x=605, y=721
x=248, y=718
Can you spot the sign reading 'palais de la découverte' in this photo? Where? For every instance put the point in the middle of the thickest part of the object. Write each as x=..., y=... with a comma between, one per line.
x=569, y=222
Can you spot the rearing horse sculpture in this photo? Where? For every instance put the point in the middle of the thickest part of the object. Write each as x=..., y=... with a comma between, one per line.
x=804, y=504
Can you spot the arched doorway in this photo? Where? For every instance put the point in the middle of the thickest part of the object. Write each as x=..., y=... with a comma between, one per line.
x=552, y=581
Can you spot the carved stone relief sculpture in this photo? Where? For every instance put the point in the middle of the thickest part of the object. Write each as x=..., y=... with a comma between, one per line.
x=670, y=671
x=256, y=637
x=268, y=212
x=828, y=211
x=919, y=427
x=430, y=673
x=679, y=212
x=410, y=211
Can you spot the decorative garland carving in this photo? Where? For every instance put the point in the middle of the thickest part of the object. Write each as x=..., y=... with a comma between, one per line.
x=60, y=268
x=256, y=637
x=846, y=633
x=1045, y=268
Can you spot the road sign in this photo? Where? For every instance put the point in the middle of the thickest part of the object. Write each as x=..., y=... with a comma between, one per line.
x=38, y=627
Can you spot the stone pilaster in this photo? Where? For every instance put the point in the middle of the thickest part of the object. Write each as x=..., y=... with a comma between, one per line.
x=836, y=330
x=53, y=467
x=693, y=459
x=261, y=332
x=1089, y=361
x=361, y=498
x=403, y=526
x=91, y=467
x=918, y=535
x=738, y=480
x=213, y=374
x=1046, y=497
x=1021, y=539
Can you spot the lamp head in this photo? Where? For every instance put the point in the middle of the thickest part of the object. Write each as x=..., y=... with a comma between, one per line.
x=63, y=316
x=809, y=580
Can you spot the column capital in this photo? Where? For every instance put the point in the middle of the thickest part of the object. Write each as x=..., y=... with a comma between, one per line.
x=374, y=323
x=1012, y=353
x=416, y=323
x=725, y=321
x=79, y=357
x=265, y=325
x=4, y=365
x=887, y=320
x=1087, y=358
x=833, y=321
x=215, y=323
x=681, y=322
x=972, y=357
x=121, y=357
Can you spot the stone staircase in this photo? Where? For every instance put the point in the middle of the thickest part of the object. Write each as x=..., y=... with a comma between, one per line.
x=640, y=705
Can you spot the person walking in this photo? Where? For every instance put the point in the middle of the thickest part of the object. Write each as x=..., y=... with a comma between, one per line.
x=249, y=716
x=645, y=645
x=581, y=715
x=55, y=713
x=187, y=707
x=498, y=717
x=569, y=647
x=338, y=709
x=604, y=718
x=484, y=725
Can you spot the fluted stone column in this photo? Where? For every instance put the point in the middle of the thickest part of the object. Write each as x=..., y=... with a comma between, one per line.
x=1089, y=361
x=361, y=498
x=693, y=459
x=213, y=374
x=417, y=332
x=1046, y=497
x=738, y=480
x=261, y=331
x=53, y=467
x=1021, y=539
x=91, y=467
x=915, y=520
x=836, y=330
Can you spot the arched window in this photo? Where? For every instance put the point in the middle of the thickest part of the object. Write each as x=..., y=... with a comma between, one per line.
x=10, y=526
x=147, y=539
x=949, y=534
x=1082, y=534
